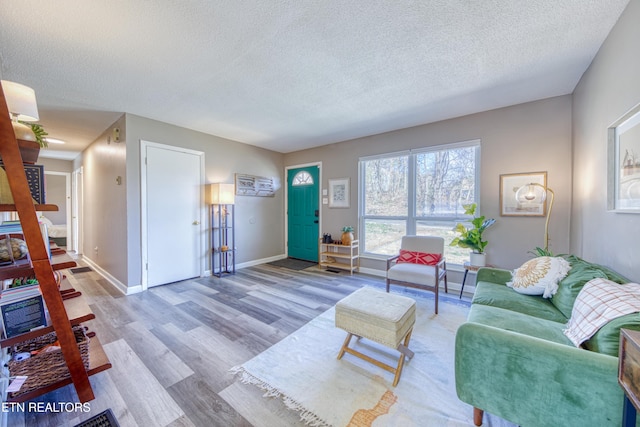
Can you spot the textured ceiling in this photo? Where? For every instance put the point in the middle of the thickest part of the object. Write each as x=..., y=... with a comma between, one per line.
x=292, y=74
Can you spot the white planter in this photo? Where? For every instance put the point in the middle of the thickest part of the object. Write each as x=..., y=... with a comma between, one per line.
x=477, y=260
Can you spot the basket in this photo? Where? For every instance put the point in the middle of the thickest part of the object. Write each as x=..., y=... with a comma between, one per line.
x=46, y=367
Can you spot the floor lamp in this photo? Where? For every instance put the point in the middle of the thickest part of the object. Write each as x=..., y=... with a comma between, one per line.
x=535, y=193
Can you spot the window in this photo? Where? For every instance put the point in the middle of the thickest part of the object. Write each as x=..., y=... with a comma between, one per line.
x=418, y=192
x=302, y=178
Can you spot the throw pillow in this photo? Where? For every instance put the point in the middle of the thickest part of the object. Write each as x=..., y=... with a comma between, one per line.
x=599, y=302
x=539, y=276
x=581, y=272
x=415, y=257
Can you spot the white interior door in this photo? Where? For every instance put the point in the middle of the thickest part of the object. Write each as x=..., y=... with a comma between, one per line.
x=173, y=213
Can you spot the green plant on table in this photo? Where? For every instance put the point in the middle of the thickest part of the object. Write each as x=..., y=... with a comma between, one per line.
x=471, y=237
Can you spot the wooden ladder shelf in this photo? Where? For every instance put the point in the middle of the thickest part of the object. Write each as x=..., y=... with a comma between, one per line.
x=39, y=256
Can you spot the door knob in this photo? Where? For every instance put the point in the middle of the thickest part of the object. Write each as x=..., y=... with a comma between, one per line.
x=196, y=222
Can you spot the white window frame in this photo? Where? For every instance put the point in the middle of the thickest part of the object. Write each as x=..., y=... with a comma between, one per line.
x=411, y=219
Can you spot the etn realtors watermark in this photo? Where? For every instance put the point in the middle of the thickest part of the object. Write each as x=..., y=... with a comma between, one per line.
x=45, y=407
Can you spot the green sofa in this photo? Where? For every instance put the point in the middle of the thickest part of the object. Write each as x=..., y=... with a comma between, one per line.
x=513, y=360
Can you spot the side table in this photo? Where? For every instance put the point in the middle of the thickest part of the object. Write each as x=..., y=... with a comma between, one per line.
x=468, y=267
x=629, y=374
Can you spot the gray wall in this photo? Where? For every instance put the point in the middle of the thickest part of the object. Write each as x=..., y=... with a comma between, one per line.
x=609, y=88
x=524, y=138
x=56, y=193
x=104, y=205
x=259, y=220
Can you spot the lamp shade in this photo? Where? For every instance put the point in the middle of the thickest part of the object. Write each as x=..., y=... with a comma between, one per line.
x=21, y=101
x=221, y=194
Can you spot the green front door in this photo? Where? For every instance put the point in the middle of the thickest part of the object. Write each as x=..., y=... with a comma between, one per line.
x=303, y=214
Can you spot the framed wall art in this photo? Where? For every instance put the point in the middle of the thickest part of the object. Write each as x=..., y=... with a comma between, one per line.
x=251, y=185
x=339, y=193
x=509, y=185
x=623, y=172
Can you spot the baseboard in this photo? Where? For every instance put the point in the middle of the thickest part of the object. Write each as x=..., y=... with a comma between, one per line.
x=118, y=285
x=260, y=261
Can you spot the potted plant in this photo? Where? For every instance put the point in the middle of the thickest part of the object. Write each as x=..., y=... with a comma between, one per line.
x=471, y=237
x=347, y=235
x=30, y=148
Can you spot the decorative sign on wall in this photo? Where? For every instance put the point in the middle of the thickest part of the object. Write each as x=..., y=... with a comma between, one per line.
x=251, y=185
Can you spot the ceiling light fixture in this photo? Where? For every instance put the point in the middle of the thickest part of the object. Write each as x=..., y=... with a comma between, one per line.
x=55, y=141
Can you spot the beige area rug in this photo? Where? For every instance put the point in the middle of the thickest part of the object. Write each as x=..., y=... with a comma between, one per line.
x=302, y=371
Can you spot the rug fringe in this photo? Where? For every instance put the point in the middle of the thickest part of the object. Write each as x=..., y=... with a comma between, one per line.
x=306, y=416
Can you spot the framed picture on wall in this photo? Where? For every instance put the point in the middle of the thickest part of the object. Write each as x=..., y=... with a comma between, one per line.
x=623, y=189
x=339, y=193
x=509, y=185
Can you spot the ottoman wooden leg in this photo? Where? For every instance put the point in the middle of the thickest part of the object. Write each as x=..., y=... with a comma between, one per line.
x=345, y=345
x=404, y=352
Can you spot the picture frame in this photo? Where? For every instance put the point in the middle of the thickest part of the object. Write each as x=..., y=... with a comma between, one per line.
x=623, y=168
x=509, y=185
x=339, y=194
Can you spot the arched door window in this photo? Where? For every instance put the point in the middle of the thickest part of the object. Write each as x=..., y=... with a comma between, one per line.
x=302, y=178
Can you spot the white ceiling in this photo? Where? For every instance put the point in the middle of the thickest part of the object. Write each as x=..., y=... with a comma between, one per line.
x=292, y=74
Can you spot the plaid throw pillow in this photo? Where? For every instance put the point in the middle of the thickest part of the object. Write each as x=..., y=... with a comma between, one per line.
x=414, y=257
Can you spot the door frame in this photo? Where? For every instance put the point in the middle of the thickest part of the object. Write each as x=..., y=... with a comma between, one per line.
x=144, y=247
x=286, y=200
x=76, y=210
x=67, y=202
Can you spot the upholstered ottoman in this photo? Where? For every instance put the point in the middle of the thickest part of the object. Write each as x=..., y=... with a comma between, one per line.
x=381, y=317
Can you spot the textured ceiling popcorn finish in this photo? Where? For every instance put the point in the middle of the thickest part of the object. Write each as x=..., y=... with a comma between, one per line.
x=290, y=75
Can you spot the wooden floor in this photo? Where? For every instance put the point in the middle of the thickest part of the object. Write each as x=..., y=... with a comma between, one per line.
x=172, y=346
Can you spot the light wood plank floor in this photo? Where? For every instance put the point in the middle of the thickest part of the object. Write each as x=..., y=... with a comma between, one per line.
x=172, y=346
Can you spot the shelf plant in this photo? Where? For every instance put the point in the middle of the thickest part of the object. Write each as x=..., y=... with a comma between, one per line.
x=471, y=237
x=347, y=235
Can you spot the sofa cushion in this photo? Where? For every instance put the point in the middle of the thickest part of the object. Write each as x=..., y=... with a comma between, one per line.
x=492, y=294
x=539, y=276
x=506, y=319
x=607, y=339
x=581, y=272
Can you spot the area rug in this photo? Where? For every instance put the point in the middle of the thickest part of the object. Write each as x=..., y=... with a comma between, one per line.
x=303, y=371
x=293, y=264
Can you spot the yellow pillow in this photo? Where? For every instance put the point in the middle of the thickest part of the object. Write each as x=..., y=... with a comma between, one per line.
x=539, y=276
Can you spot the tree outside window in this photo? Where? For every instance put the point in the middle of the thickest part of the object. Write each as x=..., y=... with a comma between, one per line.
x=417, y=193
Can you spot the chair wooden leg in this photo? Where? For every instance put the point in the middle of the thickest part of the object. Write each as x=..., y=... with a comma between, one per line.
x=477, y=416
x=436, y=298
x=388, y=285
x=446, y=291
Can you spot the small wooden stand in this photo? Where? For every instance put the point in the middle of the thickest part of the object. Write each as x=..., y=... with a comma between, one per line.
x=629, y=374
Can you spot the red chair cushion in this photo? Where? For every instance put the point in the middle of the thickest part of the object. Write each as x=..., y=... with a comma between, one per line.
x=414, y=257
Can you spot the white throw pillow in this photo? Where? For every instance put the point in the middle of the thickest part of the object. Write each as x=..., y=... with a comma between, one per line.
x=539, y=276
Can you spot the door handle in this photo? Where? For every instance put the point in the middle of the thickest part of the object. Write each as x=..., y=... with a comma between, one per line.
x=196, y=222
x=316, y=222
